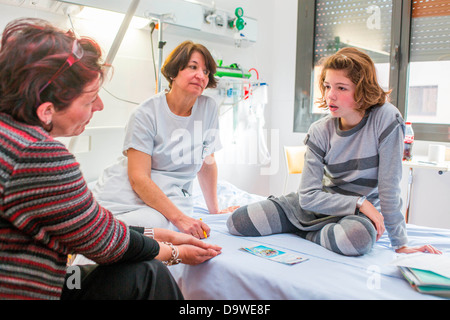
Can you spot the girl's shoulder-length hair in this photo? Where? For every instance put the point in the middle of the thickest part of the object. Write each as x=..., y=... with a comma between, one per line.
x=360, y=69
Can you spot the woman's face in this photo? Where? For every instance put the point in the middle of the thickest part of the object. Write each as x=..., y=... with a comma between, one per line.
x=73, y=120
x=193, y=79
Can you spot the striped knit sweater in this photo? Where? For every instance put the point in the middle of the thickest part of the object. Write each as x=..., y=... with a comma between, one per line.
x=366, y=161
x=47, y=212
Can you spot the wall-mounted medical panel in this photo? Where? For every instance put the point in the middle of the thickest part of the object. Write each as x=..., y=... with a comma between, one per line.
x=185, y=18
x=180, y=13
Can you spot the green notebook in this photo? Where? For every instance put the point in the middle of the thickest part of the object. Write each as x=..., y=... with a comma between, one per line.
x=427, y=281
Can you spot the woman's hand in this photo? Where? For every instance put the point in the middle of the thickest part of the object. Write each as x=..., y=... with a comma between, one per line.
x=374, y=215
x=178, y=238
x=227, y=210
x=193, y=255
x=426, y=248
x=191, y=250
x=192, y=226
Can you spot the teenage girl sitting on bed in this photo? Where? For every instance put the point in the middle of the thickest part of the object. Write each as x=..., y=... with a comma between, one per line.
x=170, y=139
x=350, y=187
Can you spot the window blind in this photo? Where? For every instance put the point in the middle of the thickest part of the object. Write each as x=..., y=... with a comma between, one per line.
x=363, y=24
x=430, y=30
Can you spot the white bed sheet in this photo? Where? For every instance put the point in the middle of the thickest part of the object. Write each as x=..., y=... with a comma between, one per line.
x=237, y=275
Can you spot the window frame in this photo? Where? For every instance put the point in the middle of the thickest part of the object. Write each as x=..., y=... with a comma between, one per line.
x=304, y=65
x=398, y=77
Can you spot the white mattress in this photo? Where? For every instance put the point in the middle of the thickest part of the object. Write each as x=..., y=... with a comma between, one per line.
x=236, y=275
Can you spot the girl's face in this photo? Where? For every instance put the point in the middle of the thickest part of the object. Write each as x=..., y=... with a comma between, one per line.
x=193, y=79
x=340, y=98
x=73, y=120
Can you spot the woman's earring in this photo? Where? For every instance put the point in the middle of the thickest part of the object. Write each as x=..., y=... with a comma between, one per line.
x=48, y=121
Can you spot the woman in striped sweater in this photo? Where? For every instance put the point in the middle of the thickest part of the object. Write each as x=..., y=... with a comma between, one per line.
x=49, y=83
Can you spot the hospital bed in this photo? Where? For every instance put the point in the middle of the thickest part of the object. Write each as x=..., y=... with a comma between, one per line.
x=238, y=275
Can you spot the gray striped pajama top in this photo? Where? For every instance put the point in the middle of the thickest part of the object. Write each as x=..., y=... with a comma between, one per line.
x=341, y=166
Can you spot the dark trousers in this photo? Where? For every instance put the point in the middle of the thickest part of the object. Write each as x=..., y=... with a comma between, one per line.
x=149, y=280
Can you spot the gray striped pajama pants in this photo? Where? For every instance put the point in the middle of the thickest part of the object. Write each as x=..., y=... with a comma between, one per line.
x=352, y=235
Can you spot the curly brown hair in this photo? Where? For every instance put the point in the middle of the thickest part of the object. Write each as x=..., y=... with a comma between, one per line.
x=360, y=69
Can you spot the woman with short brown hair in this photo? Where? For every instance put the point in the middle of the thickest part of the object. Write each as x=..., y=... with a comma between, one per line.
x=170, y=140
x=178, y=60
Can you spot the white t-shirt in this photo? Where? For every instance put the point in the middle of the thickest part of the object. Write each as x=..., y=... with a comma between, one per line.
x=178, y=145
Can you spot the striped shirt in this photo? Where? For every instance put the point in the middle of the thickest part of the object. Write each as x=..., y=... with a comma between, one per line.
x=47, y=212
x=341, y=166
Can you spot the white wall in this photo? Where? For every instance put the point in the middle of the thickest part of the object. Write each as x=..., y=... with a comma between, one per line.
x=274, y=55
x=430, y=201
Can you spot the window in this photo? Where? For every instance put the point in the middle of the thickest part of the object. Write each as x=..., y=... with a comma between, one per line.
x=422, y=103
x=428, y=84
x=409, y=42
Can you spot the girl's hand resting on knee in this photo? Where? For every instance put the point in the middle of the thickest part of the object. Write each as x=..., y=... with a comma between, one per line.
x=377, y=219
x=375, y=216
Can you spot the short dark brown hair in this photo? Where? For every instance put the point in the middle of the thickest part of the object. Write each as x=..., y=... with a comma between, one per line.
x=360, y=69
x=178, y=59
x=32, y=51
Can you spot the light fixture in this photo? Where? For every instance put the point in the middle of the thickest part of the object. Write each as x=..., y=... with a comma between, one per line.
x=110, y=17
